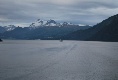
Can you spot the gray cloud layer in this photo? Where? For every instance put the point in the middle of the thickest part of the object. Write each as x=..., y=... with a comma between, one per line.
x=23, y=12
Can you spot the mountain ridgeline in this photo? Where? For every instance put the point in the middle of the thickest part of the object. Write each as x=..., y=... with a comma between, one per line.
x=107, y=30
x=44, y=30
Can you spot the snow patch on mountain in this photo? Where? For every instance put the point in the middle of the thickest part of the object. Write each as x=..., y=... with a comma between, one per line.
x=9, y=27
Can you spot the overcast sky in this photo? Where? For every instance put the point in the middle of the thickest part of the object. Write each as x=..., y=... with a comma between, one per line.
x=24, y=12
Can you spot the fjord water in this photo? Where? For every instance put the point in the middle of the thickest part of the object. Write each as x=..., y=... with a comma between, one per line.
x=55, y=60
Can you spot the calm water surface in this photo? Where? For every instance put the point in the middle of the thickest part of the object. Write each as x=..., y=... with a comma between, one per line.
x=54, y=60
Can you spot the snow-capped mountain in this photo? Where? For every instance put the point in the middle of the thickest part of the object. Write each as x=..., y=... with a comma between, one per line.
x=41, y=29
x=42, y=23
x=49, y=23
x=9, y=27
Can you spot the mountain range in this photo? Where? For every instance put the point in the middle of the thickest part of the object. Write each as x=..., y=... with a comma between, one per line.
x=51, y=23
x=107, y=30
x=42, y=30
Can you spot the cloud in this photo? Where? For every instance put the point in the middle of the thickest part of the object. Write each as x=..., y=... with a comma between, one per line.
x=23, y=12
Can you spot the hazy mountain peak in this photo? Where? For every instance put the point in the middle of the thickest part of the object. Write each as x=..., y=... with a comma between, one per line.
x=9, y=27
x=50, y=23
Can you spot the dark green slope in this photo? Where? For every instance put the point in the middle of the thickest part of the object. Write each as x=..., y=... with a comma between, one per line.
x=107, y=30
